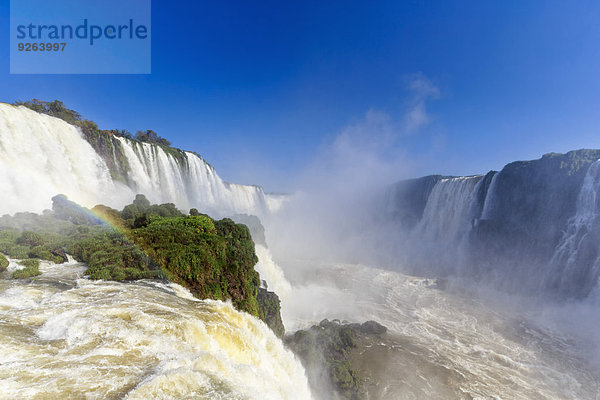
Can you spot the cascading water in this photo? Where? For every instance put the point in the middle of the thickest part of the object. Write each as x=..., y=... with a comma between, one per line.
x=188, y=182
x=271, y=272
x=490, y=198
x=66, y=337
x=154, y=172
x=31, y=143
x=41, y=156
x=567, y=257
x=439, y=237
x=469, y=228
x=63, y=336
x=449, y=210
x=442, y=344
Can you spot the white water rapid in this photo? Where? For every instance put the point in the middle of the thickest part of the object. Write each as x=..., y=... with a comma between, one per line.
x=62, y=336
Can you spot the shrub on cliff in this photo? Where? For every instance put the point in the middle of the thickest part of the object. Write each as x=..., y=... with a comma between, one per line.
x=3, y=263
x=149, y=136
x=213, y=259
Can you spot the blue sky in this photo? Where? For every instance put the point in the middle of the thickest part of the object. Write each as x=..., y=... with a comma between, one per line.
x=262, y=88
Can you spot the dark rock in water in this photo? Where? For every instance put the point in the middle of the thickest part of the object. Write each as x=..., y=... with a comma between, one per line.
x=372, y=328
x=325, y=351
x=60, y=254
x=269, y=311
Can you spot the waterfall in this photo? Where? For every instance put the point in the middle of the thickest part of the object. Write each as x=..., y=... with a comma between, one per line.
x=188, y=181
x=568, y=260
x=41, y=156
x=512, y=228
x=449, y=211
x=153, y=172
x=272, y=273
x=440, y=237
x=490, y=198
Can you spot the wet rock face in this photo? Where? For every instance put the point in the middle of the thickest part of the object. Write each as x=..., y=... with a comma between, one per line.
x=325, y=351
x=269, y=309
x=372, y=328
x=528, y=206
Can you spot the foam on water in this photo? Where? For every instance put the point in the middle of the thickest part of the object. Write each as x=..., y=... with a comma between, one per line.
x=142, y=340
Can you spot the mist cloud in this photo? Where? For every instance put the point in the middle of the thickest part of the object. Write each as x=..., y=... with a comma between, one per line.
x=422, y=91
x=331, y=214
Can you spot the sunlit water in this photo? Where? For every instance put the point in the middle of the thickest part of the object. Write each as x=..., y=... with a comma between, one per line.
x=42, y=156
x=62, y=336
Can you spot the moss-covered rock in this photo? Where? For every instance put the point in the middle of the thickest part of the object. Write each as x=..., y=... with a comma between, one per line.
x=269, y=310
x=326, y=347
x=213, y=259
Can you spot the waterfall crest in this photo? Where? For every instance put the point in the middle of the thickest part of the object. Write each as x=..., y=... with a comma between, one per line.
x=42, y=156
x=188, y=181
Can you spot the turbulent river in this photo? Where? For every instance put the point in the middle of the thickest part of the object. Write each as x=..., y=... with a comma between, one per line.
x=441, y=344
x=62, y=336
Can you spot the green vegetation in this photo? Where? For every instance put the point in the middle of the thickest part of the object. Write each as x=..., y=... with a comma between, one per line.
x=3, y=263
x=253, y=223
x=32, y=268
x=150, y=136
x=213, y=259
x=269, y=308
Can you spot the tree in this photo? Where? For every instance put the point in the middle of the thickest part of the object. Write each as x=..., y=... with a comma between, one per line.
x=149, y=136
x=141, y=201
